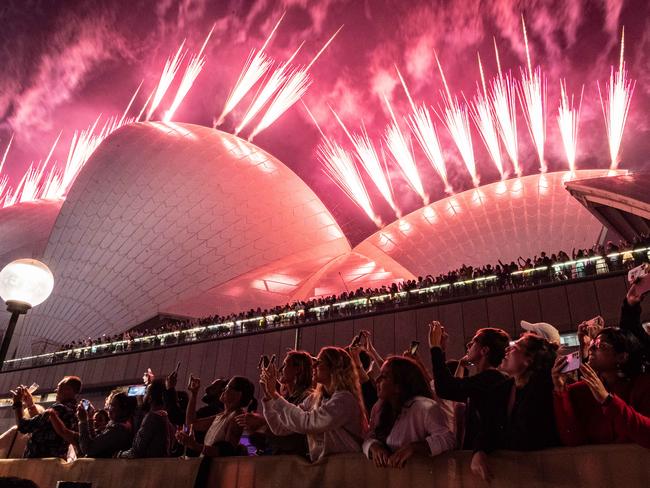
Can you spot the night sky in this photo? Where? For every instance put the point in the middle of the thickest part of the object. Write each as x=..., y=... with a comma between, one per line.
x=65, y=62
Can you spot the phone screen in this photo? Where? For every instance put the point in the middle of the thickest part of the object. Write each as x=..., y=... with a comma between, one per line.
x=414, y=347
x=573, y=362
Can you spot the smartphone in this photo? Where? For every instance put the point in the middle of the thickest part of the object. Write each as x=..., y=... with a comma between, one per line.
x=637, y=273
x=178, y=365
x=32, y=388
x=264, y=361
x=414, y=347
x=573, y=362
x=356, y=341
x=85, y=403
x=597, y=321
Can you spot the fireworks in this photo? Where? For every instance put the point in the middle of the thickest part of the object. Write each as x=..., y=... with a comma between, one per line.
x=276, y=80
x=616, y=106
x=482, y=114
x=340, y=168
x=457, y=120
x=255, y=67
x=128, y=107
x=367, y=156
x=192, y=71
x=568, y=118
x=504, y=106
x=425, y=133
x=4, y=156
x=168, y=74
x=298, y=81
x=401, y=151
x=532, y=95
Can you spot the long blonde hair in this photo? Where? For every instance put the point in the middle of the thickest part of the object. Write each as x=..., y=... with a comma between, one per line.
x=345, y=377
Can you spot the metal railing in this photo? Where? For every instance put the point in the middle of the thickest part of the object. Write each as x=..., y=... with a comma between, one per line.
x=556, y=272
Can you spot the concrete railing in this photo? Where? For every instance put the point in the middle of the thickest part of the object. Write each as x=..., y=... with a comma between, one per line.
x=589, y=467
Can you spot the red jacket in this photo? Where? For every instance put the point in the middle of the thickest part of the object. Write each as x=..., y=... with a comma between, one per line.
x=623, y=419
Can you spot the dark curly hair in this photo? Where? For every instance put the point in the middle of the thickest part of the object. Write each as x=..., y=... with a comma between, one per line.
x=625, y=342
x=540, y=351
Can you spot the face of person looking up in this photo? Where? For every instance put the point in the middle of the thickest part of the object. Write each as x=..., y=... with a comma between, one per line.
x=322, y=371
x=230, y=397
x=516, y=362
x=387, y=389
x=603, y=357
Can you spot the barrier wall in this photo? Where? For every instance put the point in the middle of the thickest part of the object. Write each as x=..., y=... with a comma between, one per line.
x=563, y=305
x=592, y=466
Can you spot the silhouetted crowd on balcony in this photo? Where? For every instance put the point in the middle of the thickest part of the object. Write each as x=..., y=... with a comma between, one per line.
x=466, y=280
x=523, y=394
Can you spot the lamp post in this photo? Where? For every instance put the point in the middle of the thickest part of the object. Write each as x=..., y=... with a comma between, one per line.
x=24, y=283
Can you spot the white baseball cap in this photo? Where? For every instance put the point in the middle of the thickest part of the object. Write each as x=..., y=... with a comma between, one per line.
x=547, y=331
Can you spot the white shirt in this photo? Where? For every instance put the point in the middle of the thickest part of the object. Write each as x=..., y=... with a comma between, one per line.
x=332, y=427
x=421, y=419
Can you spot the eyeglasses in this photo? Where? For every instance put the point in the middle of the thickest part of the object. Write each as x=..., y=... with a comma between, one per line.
x=601, y=345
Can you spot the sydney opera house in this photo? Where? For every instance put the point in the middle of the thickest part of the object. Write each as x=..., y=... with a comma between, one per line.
x=185, y=220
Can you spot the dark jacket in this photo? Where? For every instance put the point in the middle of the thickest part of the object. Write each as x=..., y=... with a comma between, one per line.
x=44, y=442
x=153, y=439
x=531, y=422
x=486, y=395
x=114, y=438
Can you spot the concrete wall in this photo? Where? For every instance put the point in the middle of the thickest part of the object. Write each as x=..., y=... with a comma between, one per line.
x=563, y=305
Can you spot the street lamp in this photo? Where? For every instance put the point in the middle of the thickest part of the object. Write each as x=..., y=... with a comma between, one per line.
x=24, y=283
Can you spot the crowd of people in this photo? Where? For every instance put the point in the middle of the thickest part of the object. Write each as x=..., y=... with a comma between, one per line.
x=524, y=394
x=462, y=281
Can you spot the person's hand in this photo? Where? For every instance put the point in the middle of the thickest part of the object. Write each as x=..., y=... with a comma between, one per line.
x=398, y=458
x=17, y=395
x=82, y=414
x=269, y=381
x=444, y=339
x=559, y=378
x=28, y=400
x=187, y=440
x=148, y=376
x=193, y=385
x=250, y=421
x=436, y=331
x=379, y=455
x=171, y=380
x=480, y=466
x=594, y=383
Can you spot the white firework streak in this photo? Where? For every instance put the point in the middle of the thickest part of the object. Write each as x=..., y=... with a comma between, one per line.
x=399, y=148
x=532, y=95
x=339, y=166
x=483, y=116
x=128, y=107
x=503, y=97
x=294, y=88
x=3, y=186
x=456, y=118
x=30, y=184
x=137, y=119
x=4, y=156
x=53, y=188
x=276, y=80
x=167, y=76
x=568, y=118
x=427, y=136
x=11, y=197
x=194, y=68
x=367, y=156
x=256, y=65
x=616, y=106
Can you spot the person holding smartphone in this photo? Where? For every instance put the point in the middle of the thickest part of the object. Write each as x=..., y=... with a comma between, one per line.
x=333, y=417
x=611, y=404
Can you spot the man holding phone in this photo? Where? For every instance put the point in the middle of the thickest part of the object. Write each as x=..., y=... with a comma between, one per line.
x=44, y=441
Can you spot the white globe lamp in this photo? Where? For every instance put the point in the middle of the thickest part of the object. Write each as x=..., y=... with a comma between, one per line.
x=24, y=283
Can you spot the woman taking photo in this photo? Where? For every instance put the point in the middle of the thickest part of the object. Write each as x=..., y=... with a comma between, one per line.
x=223, y=432
x=332, y=417
x=295, y=386
x=406, y=420
x=612, y=402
